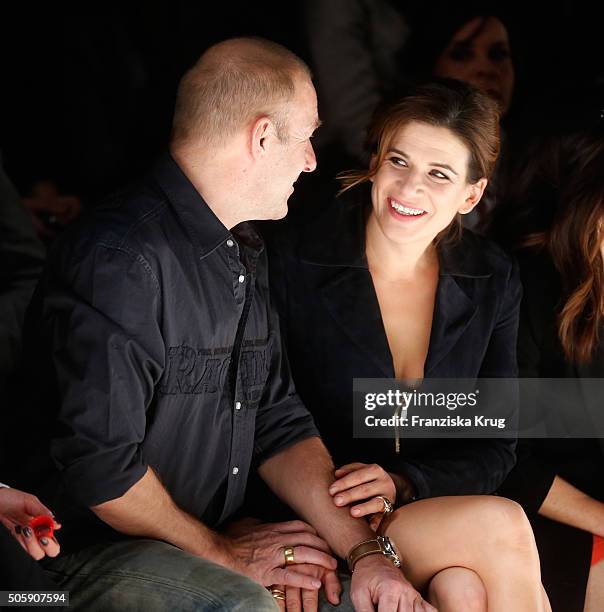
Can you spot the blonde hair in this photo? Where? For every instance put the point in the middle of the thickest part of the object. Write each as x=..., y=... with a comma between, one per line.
x=231, y=85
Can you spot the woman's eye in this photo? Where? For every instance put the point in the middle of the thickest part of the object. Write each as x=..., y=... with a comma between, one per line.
x=398, y=161
x=498, y=54
x=461, y=53
x=439, y=175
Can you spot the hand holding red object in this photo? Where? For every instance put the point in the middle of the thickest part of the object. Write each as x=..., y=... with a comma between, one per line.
x=43, y=526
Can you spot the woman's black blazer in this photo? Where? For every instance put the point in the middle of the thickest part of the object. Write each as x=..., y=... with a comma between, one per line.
x=334, y=333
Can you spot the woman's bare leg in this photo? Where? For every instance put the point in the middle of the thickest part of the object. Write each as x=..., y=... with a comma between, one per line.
x=489, y=535
x=457, y=589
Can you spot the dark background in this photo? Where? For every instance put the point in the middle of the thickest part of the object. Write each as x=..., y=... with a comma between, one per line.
x=88, y=93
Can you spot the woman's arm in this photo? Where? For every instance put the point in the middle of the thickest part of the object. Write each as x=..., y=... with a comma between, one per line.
x=567, y=504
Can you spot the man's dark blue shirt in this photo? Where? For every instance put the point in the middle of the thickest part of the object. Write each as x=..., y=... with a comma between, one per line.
x=152, y=341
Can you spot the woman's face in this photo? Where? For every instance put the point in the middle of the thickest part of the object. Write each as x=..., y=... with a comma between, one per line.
x=422, y=184
x=479, y=54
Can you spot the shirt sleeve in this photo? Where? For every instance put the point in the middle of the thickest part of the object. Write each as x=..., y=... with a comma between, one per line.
x=282, y=418
x=472, y=466
x=101, y=311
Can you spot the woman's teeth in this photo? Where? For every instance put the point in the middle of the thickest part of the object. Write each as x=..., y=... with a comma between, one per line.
x=403, y=210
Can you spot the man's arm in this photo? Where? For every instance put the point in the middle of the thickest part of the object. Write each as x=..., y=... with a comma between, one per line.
x=147, y=510
x=301, y=475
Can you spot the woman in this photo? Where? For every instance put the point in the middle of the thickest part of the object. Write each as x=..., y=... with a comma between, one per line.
x=556, y=213
x=381, y=287
x=474, y=47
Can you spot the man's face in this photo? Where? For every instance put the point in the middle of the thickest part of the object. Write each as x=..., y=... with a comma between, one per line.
x=292, y=155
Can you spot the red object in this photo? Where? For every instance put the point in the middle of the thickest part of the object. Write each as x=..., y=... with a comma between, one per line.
x=43, y=526
x=597, y=552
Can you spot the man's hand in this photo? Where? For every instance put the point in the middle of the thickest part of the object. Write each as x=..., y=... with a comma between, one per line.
x=256, y=550
x=308, y=600
x=377, y=584
x=16, y=510
x=358, y=482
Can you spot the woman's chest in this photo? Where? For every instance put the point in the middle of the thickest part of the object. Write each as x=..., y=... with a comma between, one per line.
x=407, y=314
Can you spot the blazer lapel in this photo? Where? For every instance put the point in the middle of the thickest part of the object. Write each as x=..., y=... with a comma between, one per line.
x=350, y=297
x=453, y=312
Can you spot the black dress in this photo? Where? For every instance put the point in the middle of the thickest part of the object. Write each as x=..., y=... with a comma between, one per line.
x=565, y=551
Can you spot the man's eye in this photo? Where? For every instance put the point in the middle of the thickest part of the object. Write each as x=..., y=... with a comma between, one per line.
x=398, y=161
x=439, y=175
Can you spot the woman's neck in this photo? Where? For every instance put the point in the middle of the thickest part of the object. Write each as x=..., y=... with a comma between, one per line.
x=394, y=262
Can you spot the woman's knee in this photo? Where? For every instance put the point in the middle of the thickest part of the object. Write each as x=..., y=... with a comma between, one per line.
x=505, y=525
x=458, y=588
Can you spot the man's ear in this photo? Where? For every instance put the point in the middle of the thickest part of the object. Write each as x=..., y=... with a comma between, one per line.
x=261, y=130
x=476, y=190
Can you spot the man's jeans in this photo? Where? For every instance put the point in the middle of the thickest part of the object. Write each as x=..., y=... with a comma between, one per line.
x=151, y=576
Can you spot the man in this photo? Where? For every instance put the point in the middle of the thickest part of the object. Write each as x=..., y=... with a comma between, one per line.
x=168, y=375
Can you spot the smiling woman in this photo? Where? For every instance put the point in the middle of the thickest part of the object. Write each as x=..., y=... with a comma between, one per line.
x=386, y=284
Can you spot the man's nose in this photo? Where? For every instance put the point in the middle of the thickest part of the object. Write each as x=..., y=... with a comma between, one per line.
x=310, y=160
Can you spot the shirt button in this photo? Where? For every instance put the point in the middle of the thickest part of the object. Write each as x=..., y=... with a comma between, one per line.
x=235, y=470
x=241, y=278
x=237, y=405
x=230, y=243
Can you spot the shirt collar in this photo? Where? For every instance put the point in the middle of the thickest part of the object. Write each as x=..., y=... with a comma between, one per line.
x=197, y=217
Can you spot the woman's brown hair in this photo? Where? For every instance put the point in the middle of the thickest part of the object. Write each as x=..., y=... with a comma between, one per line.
x=555, y=203
x=574, y=237
x=468, y=113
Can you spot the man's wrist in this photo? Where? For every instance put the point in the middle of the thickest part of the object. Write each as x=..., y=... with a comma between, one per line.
x=373, y=561
x=378, y=545
x=222, y=551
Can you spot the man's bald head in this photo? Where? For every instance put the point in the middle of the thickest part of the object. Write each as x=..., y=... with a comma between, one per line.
x=232, y=84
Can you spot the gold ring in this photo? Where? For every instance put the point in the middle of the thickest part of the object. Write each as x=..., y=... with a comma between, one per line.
x=388, y=505
x=277, y=593
x=288, y=552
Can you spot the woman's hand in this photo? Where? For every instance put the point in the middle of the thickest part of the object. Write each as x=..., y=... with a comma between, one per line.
x=16, y=511
x=362, y=482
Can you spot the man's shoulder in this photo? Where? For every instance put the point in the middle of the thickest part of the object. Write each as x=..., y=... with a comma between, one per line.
x=134, y=219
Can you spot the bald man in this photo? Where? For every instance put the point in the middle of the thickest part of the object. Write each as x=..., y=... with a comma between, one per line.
x=162, y=380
